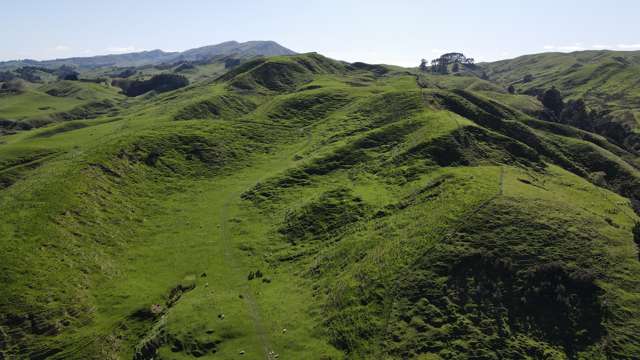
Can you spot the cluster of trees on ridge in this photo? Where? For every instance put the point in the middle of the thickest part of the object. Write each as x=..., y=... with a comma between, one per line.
x=33, y=73
x=441, y=64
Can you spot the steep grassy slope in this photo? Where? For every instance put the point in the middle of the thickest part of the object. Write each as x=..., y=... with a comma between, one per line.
x=608, y=81
x=604, y=78
x=298, y=207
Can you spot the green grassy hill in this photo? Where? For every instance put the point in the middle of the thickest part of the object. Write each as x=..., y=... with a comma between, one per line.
x=607, y=81
x=605, y=78
x=303, y=208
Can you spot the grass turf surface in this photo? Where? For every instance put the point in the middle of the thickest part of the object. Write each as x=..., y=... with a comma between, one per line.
x=311, y=209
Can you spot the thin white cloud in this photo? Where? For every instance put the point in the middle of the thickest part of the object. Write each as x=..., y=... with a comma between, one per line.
x=571, y=48
x=373, y=57
x=123, y=49
x=628, y=46
x=565, y=48
x=580, y=47
x=62, y=48
x=440, y=51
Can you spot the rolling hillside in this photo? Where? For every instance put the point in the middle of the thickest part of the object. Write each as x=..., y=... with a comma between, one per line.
x=608, y=81
x=45, y=99
x=298, y=207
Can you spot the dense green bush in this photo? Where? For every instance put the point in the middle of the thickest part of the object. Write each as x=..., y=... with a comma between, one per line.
x=15, y=85
x=67, y=73
x=159, y=83
x=552, y=100
x=6, y=76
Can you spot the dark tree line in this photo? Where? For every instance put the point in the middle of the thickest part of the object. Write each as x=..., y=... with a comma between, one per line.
x=159, y=83
x=32, y=73
x=14, y=86
x=231, y=63
x=123, y=73
x=572, y=112
x=636, y=237
x=6, y=76
x=66, y=72
x=617, y=128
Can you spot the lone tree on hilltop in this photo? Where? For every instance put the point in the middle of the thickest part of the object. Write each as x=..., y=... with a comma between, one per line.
x=423, y=65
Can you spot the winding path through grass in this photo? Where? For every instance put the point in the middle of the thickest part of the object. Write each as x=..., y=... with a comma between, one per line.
x=238, y=270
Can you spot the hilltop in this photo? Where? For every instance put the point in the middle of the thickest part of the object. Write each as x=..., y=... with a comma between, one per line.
x=299, y=207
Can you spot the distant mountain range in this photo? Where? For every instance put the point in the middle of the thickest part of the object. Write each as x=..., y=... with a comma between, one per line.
x=229, y=48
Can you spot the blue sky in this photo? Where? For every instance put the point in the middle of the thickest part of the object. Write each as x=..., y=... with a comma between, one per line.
x=393, y=31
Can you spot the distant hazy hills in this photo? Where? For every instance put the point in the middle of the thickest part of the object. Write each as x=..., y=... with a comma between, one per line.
x=229, y=48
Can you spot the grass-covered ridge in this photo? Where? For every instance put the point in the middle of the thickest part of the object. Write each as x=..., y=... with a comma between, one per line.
x=606, y=80
x=298, y=207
